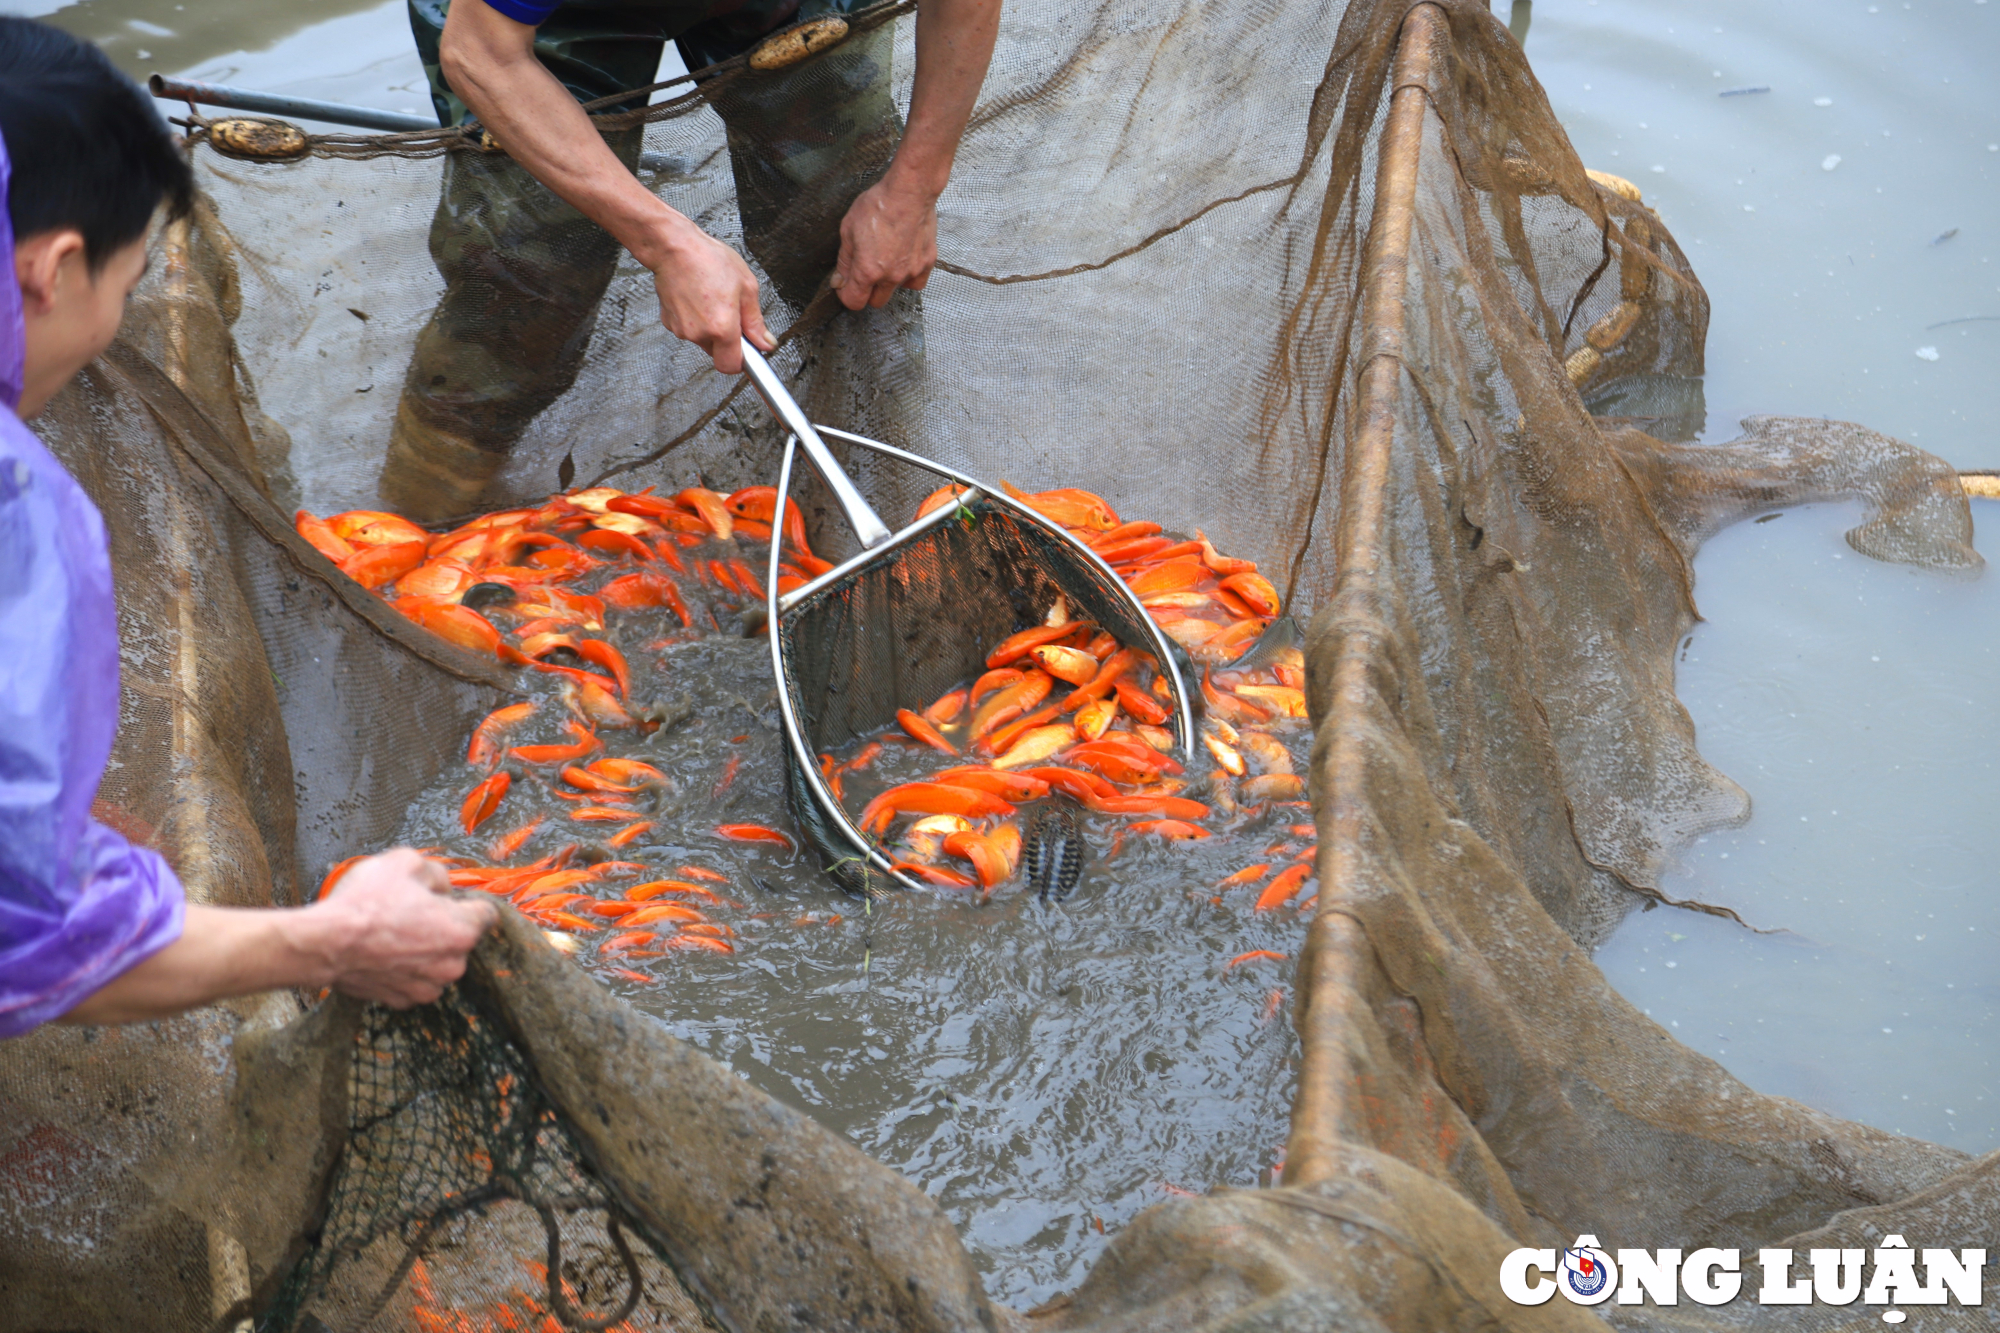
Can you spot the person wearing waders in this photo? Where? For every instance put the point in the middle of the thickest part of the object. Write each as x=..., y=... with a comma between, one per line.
x=93, y=928
x=828, y=181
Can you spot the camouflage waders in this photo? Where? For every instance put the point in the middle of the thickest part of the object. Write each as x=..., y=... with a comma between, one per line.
x=524, y=271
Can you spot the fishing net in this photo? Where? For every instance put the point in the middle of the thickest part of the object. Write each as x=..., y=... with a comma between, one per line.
x=1336, y=291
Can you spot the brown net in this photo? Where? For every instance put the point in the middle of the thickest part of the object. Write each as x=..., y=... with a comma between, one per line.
x=1337, y=293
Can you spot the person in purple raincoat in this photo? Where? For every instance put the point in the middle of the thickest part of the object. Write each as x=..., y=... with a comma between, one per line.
x=94, y=929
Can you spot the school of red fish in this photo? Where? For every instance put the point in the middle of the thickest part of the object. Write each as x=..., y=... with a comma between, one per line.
x=1063, y=707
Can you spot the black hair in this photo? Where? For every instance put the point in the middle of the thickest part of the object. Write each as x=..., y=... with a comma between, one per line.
x=89, y=151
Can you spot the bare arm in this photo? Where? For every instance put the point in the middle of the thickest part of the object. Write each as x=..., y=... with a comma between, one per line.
x=385, y=933
x=707, y=293
x=889, y=237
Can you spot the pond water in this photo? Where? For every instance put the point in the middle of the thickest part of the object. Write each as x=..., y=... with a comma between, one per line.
x=1843, y=210
x=1837, y=220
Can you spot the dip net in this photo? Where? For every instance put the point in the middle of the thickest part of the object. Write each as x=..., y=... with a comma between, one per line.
x=1331, y=287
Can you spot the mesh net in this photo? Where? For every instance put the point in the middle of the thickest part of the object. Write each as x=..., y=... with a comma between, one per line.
x=902, y=630
x=1337, y=292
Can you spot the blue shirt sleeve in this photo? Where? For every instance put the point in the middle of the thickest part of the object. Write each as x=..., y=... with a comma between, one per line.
x=79, y=904
x=534, y=13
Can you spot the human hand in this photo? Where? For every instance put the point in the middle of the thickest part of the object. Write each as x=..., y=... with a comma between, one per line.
x=887, y=240
x=398, y=937
x=708, y=296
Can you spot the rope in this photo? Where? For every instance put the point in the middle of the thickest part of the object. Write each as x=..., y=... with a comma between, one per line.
x=708, y=82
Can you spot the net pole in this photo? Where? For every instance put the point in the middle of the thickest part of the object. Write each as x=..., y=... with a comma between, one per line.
x=1331, y=1003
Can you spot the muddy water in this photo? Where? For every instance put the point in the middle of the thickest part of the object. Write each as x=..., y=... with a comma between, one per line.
x=1841, y=221
x=1855, y=702
x=1044, y=1072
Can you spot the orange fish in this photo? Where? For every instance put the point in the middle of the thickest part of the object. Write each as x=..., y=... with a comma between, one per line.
x=1074, y=783
x=1280, y=890
x=915, y=725
x=600, y=814
x=446, y=579
x=861, y=760
x=1230, y=643
x=324, y=539
x=651, y=912
x=996, y=679
x=1132, y=548
x=1125, y=532
x=591, y=697
x=1172, y=829
x=1007, y=786
x=685, y=941
x=585, y=780
x=608, y=542
x=1223, y=566
x=711, y=508
x=1174, y=576
x=746, y=579
x=483, y=800
x=1256, y=590
x=455, y=624
x=1247, y=875
x=939, y=498
x=627, y=770
x=631, y=833
x=642, y=892
x=374, y=566
x=541, y=645
x=700, y=872
x=509, y=843
x=1108, y=675
x=938, y=875
x=485, y=748
x=368, y=527
x=753, y=833
x=1069, y=507
x=1072, y=666
x=1095, y=717
x=586, y=743
x=1253, y=956
x=930, y=798
x=571, y=921
x=1005, y=705
x=987, y=858
x=1017, y=646
x=1138, y=703
x=1229, y=706
x=605, y=655
x=646, y=506
x=1114, y=762
x=946, y=708
x=1164, y=807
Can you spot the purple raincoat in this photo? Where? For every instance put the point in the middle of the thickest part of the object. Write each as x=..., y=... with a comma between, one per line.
x=78, y=903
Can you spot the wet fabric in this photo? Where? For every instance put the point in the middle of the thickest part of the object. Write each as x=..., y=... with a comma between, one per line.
x=79, y=904
x=525, y=273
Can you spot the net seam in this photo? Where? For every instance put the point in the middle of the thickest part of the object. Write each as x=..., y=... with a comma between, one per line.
x=166, y=402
